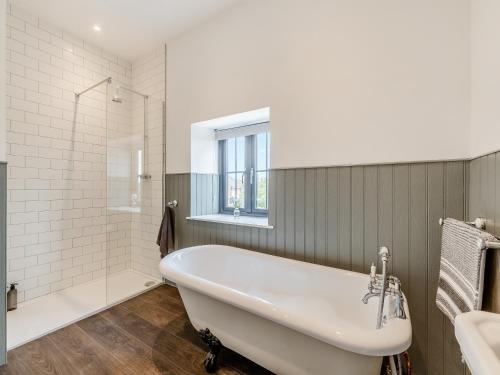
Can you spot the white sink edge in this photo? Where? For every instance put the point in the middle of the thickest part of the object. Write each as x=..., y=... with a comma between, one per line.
x=479, y=356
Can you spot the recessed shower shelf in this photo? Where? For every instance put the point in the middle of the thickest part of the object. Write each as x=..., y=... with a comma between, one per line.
x=135, y=209
x=245, y=221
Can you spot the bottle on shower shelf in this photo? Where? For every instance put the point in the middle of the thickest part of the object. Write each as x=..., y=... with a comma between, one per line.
x=12, y=297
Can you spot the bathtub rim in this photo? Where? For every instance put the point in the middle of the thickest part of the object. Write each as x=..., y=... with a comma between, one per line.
x=372, y=343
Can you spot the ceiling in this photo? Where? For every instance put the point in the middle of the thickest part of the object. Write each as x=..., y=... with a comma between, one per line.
x=129, y=28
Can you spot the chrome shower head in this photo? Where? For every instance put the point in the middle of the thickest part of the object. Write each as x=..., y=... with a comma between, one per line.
x=116, y=97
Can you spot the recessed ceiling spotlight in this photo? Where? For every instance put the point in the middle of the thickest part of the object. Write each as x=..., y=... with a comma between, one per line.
x=97, y=28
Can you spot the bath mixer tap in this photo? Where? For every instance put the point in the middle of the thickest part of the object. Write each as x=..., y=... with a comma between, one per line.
x=385, y=285
x=369, y=295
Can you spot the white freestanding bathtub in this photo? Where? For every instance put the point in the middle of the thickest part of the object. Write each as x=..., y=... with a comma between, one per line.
x=288, y=316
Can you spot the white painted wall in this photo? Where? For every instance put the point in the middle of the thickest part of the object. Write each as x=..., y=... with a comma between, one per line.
x=348, y=81
x=485, y=77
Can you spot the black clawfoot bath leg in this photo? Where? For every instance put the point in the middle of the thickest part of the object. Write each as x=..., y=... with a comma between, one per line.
x=214, y=346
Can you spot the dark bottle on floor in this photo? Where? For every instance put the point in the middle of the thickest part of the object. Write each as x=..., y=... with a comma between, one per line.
x=12, y=297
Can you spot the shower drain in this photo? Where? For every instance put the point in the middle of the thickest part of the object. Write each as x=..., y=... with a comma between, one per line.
x=147, y=284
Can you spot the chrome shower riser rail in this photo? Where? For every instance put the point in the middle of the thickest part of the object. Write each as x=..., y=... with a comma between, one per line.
x=145, y=160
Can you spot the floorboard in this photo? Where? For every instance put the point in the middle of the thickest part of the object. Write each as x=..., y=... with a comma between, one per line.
x=86, y=354
x=149, y=334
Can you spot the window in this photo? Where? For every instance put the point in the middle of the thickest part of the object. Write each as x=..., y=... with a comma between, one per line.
x=244, y=174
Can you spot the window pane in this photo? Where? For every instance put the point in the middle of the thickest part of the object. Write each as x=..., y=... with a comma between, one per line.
x=231, y=157
x=240, y=154
x=262, y=151
x=261, y=191
x=235, y=190
x=235, y=180
x=240, y=190
x=231, y=189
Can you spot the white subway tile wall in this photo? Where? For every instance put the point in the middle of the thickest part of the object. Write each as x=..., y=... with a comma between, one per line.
x=71, y=165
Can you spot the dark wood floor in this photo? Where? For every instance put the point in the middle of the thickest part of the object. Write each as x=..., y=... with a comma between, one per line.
x=149, y=334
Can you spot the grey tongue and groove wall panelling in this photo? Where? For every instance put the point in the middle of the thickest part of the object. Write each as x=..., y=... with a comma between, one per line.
x=338, y=217
x=484, y=201
x=483, y=182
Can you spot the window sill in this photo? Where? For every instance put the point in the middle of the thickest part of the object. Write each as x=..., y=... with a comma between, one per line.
x=245, y=221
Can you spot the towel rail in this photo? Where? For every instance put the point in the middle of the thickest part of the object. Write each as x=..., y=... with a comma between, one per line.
x=479, y=223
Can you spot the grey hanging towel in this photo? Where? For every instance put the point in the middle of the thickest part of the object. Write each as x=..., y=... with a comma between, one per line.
x=166, y=234
x=461, y=276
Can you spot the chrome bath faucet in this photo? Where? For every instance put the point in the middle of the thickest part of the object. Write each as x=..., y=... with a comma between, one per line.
x=385, y=285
